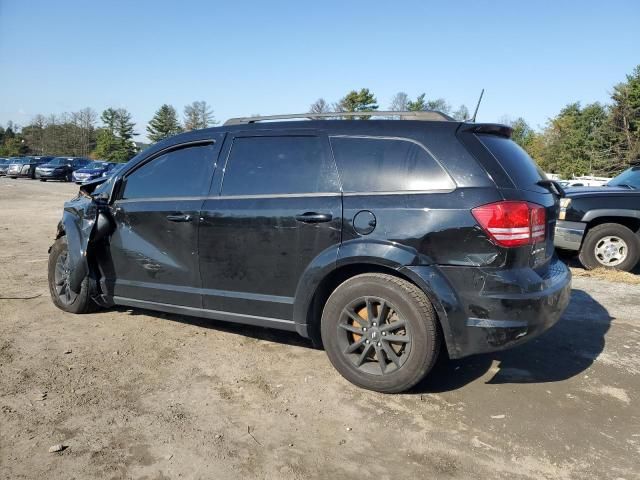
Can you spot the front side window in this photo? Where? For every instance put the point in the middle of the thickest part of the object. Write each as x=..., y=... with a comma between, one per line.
x=387, y=165
x=279, y=165
x=185, y=172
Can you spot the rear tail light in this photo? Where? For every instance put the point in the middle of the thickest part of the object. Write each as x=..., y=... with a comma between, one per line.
x=512, y=224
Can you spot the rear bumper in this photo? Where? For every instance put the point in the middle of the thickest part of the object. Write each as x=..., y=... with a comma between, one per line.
x=568, y=235
x=486, y=310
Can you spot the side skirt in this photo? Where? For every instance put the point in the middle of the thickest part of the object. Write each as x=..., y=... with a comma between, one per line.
x=211, y=314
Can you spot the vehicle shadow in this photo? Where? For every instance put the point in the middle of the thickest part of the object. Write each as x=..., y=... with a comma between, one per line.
x=567, y=349
x=257, y=333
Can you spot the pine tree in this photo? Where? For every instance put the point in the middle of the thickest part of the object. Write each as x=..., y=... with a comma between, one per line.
x=124, y=131
x=418, y=105
x=198, y=115
x=115, y=139
x=164, y=124
x=358, y=101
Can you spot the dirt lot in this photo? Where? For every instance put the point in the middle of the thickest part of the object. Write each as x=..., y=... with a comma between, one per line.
x=136, y=394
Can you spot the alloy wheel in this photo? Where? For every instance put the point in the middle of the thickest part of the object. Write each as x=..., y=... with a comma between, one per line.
x=61, y=277
x=374, y=336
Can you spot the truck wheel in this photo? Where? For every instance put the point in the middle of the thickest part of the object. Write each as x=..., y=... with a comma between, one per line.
x=610, y=245
x=61, y=294
x=380, y=332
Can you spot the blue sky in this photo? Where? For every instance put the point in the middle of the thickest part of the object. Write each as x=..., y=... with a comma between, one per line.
x=279, y=56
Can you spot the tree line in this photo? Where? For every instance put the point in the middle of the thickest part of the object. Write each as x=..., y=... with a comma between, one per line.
x=597, y=138
x=109, y=136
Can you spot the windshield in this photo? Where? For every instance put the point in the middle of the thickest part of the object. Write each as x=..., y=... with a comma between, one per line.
x=61, y=161
x=19, y=160
x=95, y=165
x=628, y=178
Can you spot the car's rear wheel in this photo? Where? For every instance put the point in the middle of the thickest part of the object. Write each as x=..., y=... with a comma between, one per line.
x=610, y=245
x=43, y=179
x=380, y=332
x=61, y=294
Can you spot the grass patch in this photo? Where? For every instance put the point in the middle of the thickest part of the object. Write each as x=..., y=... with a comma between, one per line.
x=606, y=274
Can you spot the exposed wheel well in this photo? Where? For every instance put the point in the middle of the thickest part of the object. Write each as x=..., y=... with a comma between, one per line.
x=330, y=283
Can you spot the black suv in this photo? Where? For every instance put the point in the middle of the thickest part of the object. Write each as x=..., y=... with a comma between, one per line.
x=383, y=240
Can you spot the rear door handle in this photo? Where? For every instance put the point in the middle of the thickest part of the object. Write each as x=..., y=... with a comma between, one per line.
x=179, y=217
x=313, y=217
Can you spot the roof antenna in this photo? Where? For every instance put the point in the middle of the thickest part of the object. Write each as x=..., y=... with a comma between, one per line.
x=473, y=119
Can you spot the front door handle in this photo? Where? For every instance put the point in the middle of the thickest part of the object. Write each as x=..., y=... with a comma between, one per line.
x=313, y=217
x=179, y=217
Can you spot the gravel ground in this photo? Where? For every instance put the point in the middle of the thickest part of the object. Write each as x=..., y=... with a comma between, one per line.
x=137, y=394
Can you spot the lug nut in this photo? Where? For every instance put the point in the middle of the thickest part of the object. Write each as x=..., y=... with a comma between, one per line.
x=384, y=333
x=379, y=344
x=374, y=324
x=364, y=329
x=366, y=341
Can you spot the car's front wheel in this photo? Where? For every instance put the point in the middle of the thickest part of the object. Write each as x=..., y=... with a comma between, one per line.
x=380, y=332
x=610, y=245
x=59, y=269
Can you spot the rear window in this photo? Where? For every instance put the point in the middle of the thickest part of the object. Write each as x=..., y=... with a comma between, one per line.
x=278, y=165
x=521, y=168
x=387, y=165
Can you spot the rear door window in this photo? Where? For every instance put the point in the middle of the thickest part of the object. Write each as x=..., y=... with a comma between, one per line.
x=273, y=165
x=521, y=168
x=387, y=165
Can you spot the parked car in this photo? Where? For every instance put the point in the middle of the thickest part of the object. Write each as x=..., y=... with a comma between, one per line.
x=61, y=168
x=26, y=166
x=386, y=241
x=93, y=170
x=601, y=224
x=117, y=167
x=15, y=166
x=4, y=165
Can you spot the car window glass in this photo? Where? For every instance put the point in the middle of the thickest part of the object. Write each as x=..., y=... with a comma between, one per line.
x=279, y=165
x=180, y=173
x=386, y=165
x=522, y=169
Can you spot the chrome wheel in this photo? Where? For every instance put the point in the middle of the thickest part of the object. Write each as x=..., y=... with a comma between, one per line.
x=373, y=336
x=61, y=278
x=611, y=251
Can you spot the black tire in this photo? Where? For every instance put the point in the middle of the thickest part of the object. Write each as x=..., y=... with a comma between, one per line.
x=419, y=339
x=43, y=179
x=62, y=297
x=619, y=239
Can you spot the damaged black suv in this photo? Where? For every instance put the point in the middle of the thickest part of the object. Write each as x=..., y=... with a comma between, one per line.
x=385, y=241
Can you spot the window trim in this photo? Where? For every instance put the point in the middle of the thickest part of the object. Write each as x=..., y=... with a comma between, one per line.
x=151, y=158
x=280, y=134
x=393, y=192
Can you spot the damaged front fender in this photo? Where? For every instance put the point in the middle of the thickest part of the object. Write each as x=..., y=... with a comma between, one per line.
x=85, y=220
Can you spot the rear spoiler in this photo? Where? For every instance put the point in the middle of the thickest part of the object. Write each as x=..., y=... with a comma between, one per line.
x=487, y=128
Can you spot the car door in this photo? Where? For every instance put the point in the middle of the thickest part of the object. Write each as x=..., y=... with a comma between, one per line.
x=154, y=246
x=279, y=206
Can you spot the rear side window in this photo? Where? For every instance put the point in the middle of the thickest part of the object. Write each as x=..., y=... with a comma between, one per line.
x=180, y=173
x=521, y=168
x=387, y=165
x=279, y=165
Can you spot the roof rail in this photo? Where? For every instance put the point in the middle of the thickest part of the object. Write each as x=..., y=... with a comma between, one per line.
x=429, y=115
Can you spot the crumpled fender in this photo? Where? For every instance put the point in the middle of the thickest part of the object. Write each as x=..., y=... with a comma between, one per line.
x=83, y=221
